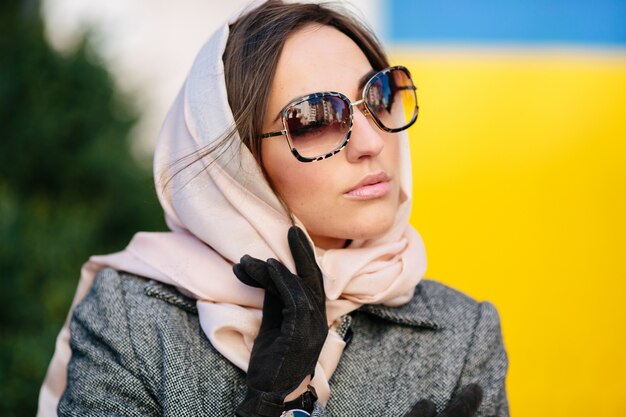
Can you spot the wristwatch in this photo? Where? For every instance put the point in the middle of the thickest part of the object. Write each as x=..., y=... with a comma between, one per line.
x=295, y=413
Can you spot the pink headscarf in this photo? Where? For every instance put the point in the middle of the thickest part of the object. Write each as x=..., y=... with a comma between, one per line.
x=220, y=209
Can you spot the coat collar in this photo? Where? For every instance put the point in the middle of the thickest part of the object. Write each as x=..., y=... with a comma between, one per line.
x=170, y=295
x=418, y=312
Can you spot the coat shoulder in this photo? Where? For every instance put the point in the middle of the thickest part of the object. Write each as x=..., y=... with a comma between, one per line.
x=433, y=305
x=141, y=292
x=450, y=305
x=138, y=349
x=447, y=304
x=439, y=293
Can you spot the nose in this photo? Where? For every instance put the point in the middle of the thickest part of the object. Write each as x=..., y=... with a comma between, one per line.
x=365, y=140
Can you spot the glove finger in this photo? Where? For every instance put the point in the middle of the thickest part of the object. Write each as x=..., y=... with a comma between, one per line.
x=299, y=304
x=288, y=285
x=465, y=403
x=272, y=311
x=423, y=408
x=252, y=272
x=301, y=250
x=304, y=258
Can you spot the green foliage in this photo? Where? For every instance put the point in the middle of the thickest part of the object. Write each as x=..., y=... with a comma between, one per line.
x=69, y=188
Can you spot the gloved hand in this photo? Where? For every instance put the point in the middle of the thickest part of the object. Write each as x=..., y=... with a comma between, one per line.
x=293, y=328
x=464, y=404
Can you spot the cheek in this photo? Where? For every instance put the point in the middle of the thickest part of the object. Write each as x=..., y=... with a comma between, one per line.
x=391, y=153
x=299, y=184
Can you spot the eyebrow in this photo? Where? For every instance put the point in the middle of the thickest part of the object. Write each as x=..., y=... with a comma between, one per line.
x=362, y=81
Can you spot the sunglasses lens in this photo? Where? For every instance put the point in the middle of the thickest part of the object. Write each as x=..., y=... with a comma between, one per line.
x=391, y=99
x=318, y=126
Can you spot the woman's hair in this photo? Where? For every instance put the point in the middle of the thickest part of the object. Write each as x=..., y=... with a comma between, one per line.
x=251, y=56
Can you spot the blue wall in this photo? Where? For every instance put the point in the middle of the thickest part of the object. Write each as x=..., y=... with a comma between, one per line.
x=490, y=21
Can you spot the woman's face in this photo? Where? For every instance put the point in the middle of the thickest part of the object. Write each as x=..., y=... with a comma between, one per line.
x=328, y=196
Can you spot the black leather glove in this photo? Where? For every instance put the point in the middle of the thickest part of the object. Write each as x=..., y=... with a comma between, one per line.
x=464, y=404
x=293, y=328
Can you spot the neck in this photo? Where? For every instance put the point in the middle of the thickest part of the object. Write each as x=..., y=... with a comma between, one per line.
x=326, y=242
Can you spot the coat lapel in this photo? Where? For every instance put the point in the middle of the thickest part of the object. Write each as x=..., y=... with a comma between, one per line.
x=417, y=312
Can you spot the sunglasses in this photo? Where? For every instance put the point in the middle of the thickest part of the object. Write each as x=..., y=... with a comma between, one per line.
x=318, y=126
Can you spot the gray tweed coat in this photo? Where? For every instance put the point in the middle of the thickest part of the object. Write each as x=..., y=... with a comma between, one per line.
x=138, y=350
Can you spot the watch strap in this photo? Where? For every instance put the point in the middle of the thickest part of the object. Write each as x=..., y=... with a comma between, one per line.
x=304, y=402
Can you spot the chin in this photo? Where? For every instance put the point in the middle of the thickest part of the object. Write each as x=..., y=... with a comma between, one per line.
x=371, y=225
x=372, y=231
x=356, y=221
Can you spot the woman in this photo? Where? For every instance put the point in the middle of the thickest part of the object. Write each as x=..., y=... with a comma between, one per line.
x=291, y=279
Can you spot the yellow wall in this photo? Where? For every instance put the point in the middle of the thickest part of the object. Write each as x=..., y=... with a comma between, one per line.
x=520, y=195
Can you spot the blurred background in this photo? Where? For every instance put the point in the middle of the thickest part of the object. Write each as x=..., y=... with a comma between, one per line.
x=519, y=168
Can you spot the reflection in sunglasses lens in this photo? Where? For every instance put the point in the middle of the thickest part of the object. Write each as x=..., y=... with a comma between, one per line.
x=318, y=125
x=391, y=99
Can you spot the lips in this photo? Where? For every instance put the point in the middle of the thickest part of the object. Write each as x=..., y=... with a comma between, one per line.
x=375, y=185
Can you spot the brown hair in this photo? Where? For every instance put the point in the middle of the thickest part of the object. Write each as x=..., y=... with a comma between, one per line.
x=251, y=56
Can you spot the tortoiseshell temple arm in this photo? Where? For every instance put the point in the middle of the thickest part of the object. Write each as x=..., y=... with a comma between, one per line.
x=272, y=134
